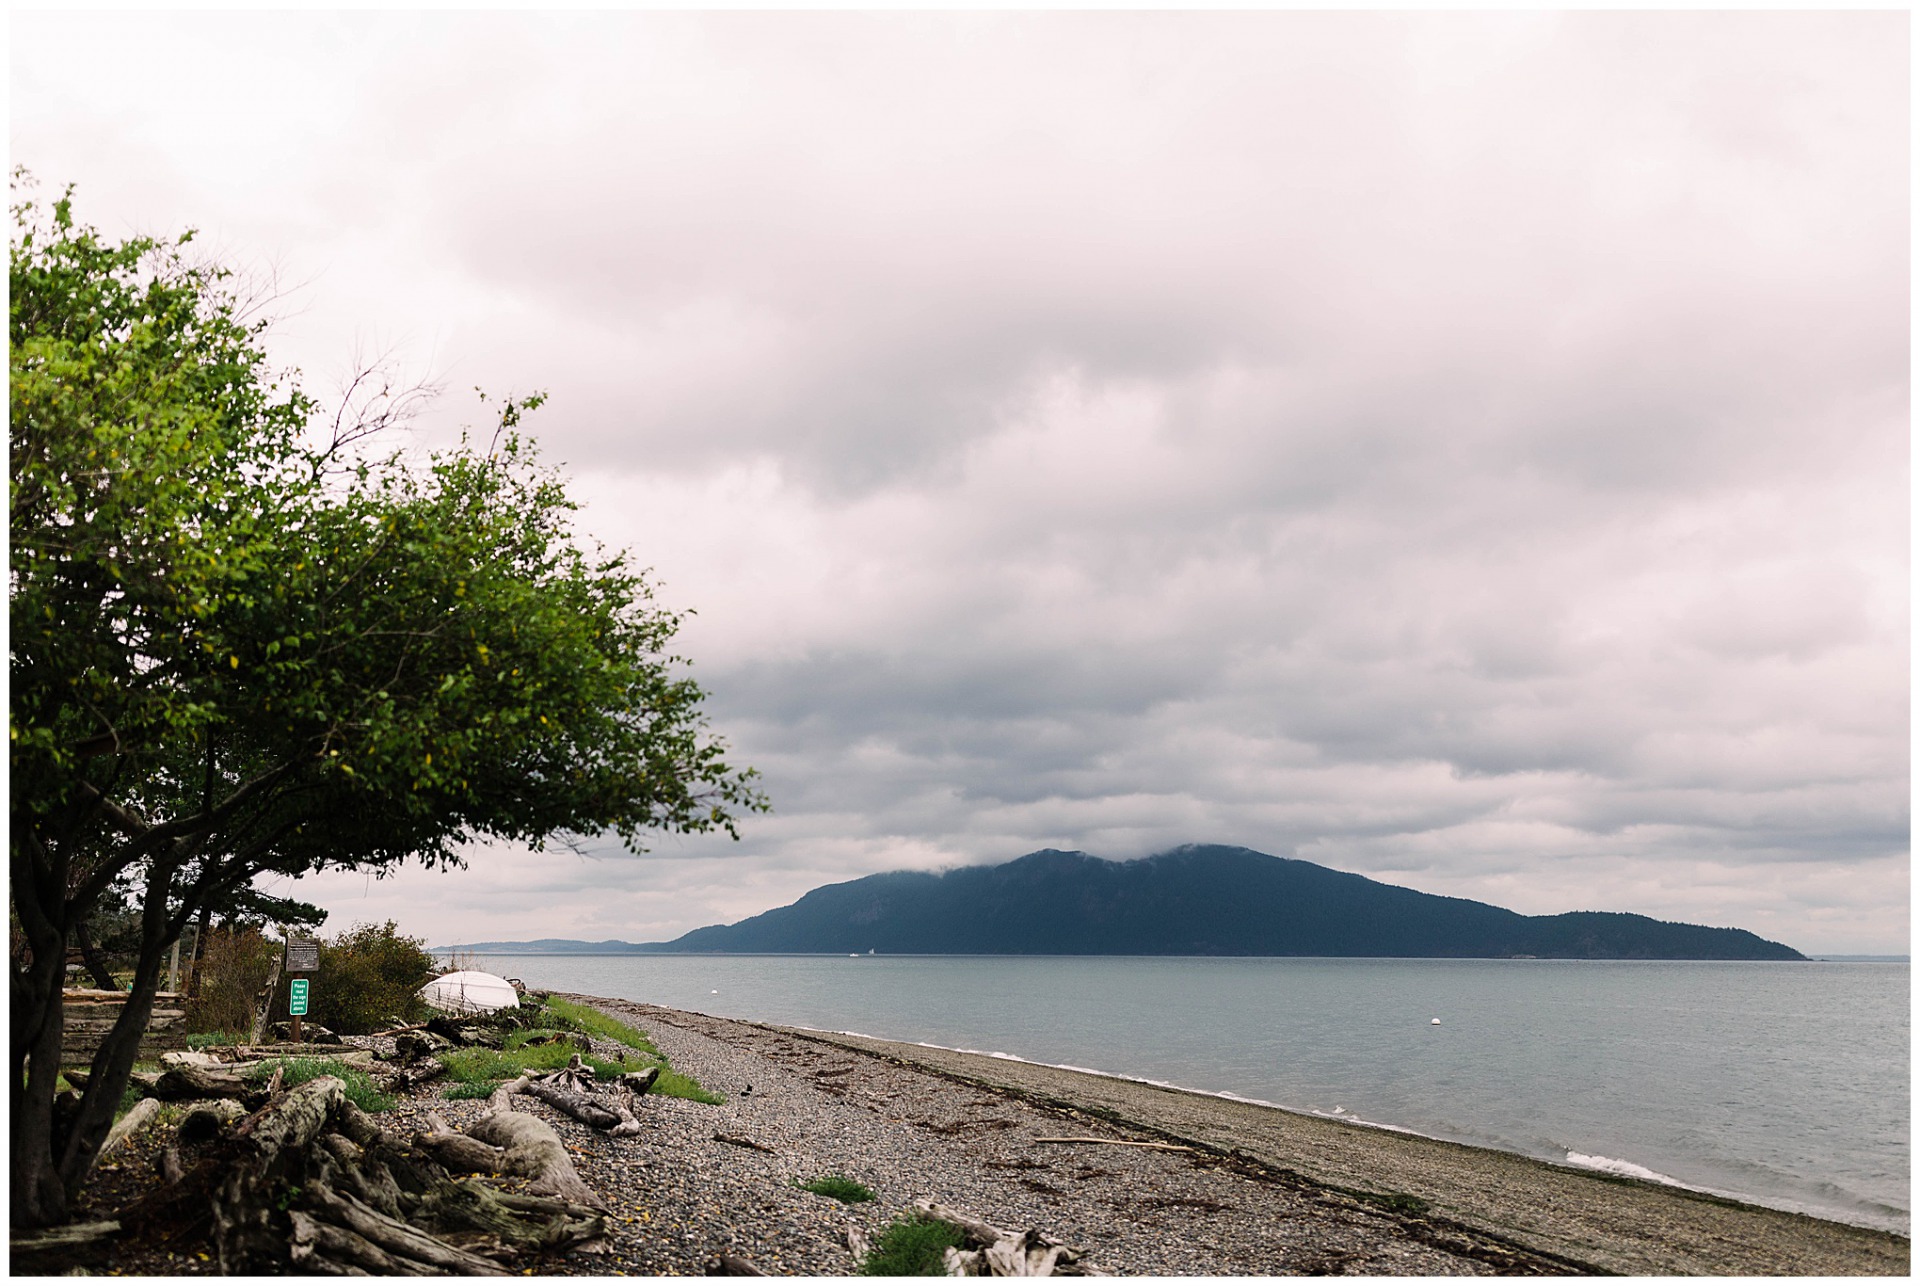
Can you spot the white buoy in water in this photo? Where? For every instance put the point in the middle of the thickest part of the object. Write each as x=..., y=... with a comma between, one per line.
x=1436, y=1022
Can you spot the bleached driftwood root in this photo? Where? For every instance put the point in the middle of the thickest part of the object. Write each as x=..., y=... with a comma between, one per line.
x=570, y=1090
x=995, y=1252
x=507, y=1142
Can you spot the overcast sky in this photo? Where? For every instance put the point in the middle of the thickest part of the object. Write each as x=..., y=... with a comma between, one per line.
x=1468, y=451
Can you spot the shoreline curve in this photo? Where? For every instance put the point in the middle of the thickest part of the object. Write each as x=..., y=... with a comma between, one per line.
x=1615, y=1223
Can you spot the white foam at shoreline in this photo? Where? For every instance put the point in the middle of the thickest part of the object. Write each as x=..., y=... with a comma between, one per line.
x=1627, y=1169
x=1578, y=1160
x=1228, y=1095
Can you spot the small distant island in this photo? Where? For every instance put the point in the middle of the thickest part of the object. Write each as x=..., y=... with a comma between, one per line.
x=1197, y=900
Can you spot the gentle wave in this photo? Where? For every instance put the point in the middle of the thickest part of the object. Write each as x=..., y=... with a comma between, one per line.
x=1626, y=1169
x=1337, y=1114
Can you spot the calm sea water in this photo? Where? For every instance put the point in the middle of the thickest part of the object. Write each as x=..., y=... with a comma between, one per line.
x=1785, y=1084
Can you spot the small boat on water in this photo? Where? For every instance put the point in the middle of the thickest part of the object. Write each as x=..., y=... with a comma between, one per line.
x=469, y=991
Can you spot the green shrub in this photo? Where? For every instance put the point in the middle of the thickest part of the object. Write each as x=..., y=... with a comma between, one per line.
x=367, y=975
x=837, y=1186
x=911, y=1246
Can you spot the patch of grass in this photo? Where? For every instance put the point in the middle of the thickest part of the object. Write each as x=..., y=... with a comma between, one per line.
x=911, y=1246
x=590, y=1020
x=837, y=1186
x=360, y=1091
x=674, y=1085
x=203, y=1039
x=470, y=1089
x=477, y=1063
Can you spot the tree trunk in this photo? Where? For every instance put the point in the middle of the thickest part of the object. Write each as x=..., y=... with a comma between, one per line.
x=37, y=1196
x=113, y=1061
x=96, y=963
x=199, y=952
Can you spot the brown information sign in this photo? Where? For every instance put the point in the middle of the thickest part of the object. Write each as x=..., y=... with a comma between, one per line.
x=303, y=955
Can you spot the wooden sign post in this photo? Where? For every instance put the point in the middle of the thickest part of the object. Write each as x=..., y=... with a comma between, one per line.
x=303, y=956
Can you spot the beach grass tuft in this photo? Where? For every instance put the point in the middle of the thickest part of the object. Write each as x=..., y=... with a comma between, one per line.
x=837, y=1186
x=478, y=1065
x=911, y=1246
x=590, y=1020
x=1401, y=1203
x=360, y=1089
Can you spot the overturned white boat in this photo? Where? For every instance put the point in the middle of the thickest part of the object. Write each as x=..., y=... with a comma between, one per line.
x=468, y=991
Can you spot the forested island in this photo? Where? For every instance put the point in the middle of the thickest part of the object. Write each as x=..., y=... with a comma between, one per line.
x=1202, y=900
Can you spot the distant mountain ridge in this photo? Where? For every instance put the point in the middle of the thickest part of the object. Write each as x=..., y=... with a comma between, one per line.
x=1200, y=900
x=551, y=947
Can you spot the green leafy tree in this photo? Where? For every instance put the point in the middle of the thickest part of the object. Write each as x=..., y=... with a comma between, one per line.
x=242, y=648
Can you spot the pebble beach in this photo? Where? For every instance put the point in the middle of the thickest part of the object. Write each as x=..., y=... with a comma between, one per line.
x=1229, y=1189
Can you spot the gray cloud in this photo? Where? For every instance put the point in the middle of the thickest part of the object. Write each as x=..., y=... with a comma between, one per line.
x=1467, y=450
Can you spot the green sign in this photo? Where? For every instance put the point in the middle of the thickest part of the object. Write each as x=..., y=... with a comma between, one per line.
x=297, y=997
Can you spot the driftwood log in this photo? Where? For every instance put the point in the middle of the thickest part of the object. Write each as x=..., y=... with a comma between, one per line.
x=571, y=1090
x=57, y=1250
x=205, y=1121
x=583, y=1108
x=413, y=1046
x=311, y=1184
x=508, y=1142
x=140, y=1114
x=405, y=1080
x=178, y=1084
x=995, y=1252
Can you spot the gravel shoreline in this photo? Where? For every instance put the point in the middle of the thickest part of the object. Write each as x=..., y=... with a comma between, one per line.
x=1250, y=1191
x=1267, y=1192
x=707, y=1180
